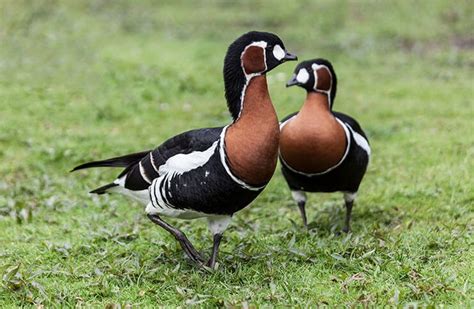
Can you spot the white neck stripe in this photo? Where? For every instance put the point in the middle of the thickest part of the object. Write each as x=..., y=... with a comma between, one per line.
x=227, y=168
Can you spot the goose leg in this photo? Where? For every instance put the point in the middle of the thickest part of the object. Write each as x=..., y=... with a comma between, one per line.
x=300, y=199
x=180, y=237
x=217, y=226
x=349, y=202
x=301, y=206
x=215, y=250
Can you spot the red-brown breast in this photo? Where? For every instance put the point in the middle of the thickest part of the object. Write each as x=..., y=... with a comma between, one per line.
x=313, y=140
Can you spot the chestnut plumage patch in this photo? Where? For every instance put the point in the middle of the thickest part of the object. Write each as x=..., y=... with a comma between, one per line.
x=254, y=160
x=324, y=82
x=253, y=60
x=313, y=141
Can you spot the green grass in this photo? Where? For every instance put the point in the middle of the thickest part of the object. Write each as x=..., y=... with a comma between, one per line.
x=92, y=79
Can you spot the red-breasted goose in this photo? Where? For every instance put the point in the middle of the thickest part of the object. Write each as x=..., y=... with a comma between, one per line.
x=212, y=172
x=321, y=150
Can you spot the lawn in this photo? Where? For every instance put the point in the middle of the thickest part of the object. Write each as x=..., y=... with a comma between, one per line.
x=82, y=80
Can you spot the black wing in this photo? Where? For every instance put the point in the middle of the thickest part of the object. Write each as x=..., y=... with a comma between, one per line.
x=352, y=122
x=122, y=161
x=140, y=175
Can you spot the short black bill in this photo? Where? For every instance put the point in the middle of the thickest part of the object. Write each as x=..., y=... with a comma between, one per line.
x=289, y=57
x=293, y=81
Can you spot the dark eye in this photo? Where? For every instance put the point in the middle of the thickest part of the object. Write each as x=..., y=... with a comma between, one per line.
x=269, y=46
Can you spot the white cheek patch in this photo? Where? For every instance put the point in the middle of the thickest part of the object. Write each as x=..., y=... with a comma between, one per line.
x=302, y=76
x=278, y=52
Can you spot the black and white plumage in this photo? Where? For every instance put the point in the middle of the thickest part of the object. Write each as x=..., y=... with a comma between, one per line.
x=347, y=173
x=189, y=175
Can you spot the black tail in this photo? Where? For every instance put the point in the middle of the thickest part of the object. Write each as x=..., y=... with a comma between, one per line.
x=123, y=161
x=103, y=189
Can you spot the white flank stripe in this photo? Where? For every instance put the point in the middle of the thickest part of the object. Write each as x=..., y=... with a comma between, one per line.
x=226, y=167
x=176, y=165
x=151, y=192
x=361, y=141
x=182, y=163
x=156, y=195
x=159, y=204
x=142, y=172
x=152, y=159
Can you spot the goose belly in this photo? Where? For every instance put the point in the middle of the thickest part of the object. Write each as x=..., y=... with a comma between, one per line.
x=141, y=196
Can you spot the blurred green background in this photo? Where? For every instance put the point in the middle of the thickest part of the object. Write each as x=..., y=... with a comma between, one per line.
x=82, y=80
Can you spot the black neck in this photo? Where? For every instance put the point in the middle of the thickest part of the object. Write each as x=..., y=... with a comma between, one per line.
x=234, y=83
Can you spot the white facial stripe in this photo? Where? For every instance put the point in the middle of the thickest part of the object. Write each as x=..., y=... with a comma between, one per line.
x=261, y=44
x=302, y=76
x=316, y=67
x=248, y=77
x=278, y=52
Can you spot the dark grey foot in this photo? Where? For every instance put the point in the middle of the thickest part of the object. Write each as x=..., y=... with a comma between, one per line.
x=347, y=222
x=188, y=248
x=301, y=206
x=215, y=250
